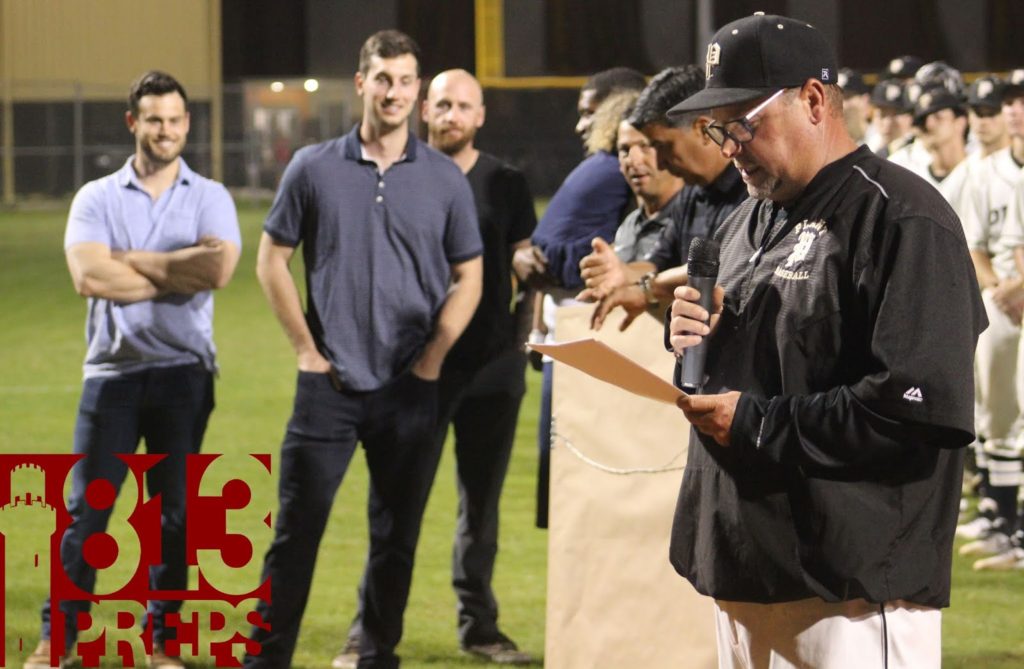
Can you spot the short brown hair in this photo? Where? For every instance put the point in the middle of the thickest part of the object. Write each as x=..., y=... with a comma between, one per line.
x=153, y=82
x=388, y=44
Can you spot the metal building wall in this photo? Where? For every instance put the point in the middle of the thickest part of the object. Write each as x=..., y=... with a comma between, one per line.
x=106, y=43
x=66, y=62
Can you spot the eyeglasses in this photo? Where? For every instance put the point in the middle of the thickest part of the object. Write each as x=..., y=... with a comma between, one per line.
x=738, y=130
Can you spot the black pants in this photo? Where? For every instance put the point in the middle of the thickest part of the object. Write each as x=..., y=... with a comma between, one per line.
x=396, y=426
x=482, y=407
x=483, y=414
x=169, y=408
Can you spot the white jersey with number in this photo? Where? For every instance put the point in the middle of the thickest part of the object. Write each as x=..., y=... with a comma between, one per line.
x=991, y=213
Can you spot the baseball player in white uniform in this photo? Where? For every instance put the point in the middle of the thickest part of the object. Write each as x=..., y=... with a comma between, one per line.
x=993, y=225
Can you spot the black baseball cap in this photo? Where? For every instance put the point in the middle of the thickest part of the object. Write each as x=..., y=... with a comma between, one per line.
x=1014, y=84
x=852, y=82
x=890, y=94
x=757, y=55
x=935, y=99
x=939, y=73
x=904, y=67
x=986, y=93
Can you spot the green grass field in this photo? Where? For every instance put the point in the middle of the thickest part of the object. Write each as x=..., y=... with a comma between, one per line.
x=41, y=344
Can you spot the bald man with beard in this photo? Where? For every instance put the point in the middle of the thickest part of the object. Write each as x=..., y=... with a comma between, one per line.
x=482, y=382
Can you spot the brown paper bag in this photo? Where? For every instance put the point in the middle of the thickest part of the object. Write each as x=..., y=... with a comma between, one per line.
x=614, y=600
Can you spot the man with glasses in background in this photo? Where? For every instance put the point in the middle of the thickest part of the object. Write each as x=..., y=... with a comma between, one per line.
x=821, y=492
x=715, y=188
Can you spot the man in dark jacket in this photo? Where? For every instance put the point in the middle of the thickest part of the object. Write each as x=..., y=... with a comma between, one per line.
x=821, y=493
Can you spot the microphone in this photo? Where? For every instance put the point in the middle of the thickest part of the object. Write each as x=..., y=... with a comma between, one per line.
x=702, y=270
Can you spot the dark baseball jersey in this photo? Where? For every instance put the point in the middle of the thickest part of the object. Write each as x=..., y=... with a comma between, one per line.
x=849, y=327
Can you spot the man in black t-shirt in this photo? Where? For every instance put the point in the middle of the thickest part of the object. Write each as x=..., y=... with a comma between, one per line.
x=482, y=380
x=822, y=488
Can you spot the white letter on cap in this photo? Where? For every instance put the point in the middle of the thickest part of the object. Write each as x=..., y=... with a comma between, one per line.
x=713, y=57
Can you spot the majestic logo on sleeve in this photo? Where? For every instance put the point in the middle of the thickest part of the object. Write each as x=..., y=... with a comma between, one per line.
x=806, y=233
x=714, y=57
x=913, y=394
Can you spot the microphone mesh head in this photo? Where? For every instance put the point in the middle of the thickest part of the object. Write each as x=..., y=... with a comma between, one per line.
x=703, y=257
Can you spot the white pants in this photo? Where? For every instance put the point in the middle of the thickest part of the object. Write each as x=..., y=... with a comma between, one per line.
x=815, y=634
x=997, y=373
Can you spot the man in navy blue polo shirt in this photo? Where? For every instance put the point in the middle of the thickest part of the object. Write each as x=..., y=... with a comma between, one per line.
x=393, y=268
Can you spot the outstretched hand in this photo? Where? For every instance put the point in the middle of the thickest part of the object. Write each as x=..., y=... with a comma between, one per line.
x=602, y=271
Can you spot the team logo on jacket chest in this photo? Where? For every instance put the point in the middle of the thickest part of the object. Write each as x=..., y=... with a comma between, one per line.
x=806, y=234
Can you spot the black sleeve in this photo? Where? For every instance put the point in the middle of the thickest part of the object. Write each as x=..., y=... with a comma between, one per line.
x=666, y=253
x=833, y=431
x=919, y=297
x=520, y=203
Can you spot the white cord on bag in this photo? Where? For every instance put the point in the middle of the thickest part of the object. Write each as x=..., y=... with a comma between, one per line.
x=667, y=467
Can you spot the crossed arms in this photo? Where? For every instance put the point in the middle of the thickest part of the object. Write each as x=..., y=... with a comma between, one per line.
x=134, y=276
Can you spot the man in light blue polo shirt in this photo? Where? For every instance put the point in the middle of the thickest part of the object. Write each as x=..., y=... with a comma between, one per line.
x=392, y=253
x=146, y=246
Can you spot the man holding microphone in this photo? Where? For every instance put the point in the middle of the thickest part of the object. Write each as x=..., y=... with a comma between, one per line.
x=821, y=494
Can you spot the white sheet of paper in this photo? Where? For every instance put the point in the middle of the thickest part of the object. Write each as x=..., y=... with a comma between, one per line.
x=605, y=363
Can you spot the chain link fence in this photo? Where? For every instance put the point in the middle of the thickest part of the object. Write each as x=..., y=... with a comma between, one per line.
x=65, y=134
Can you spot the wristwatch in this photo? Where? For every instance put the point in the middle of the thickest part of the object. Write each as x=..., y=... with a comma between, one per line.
x=646, y=285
